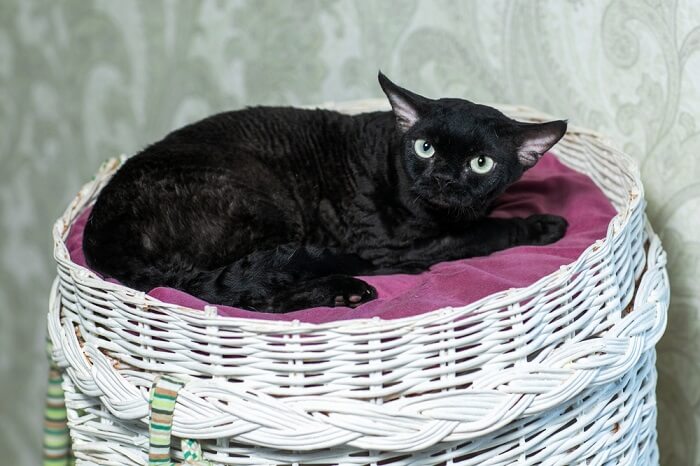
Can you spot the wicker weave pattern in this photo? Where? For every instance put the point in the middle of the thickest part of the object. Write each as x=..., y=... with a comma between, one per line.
x=559, y=372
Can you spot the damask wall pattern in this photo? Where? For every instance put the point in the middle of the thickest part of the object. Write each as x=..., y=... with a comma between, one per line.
x=84, y=81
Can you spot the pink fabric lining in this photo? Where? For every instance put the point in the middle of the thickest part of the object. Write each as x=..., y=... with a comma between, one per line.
x=549, y=187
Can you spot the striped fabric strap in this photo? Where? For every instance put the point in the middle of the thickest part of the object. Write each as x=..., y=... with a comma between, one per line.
x=163, y=399
x=57, y=445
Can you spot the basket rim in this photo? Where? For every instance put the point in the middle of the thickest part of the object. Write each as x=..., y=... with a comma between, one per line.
x=495, y=301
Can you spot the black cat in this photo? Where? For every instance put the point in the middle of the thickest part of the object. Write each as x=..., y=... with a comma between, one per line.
x=275, y=209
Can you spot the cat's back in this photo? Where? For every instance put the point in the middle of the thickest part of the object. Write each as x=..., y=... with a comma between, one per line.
x=272, y=130
x=259, y=172
x=243, y=143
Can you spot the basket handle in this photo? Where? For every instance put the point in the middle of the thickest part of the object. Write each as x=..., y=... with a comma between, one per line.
x=162, y=402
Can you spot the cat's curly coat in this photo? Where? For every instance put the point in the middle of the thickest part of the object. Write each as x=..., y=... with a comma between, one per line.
x=276, y=209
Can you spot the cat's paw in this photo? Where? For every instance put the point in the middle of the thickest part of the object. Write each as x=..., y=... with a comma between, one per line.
x=350, y=291
x=331, y=291
x=545, y=229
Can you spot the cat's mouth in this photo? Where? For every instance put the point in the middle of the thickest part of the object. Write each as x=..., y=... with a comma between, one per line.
x=440, y=202
x=456, y=207
x=451, y=200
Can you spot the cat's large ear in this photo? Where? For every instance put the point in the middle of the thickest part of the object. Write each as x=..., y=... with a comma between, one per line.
x=534, y=139
x=407, y=106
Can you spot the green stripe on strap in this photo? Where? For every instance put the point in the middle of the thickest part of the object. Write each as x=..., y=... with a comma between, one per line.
x=162, y=401
x=57, y=445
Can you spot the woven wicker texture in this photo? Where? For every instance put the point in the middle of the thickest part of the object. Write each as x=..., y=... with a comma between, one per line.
x=560, y=372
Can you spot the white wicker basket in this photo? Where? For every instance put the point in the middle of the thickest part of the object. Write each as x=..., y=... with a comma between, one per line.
x=558, y=373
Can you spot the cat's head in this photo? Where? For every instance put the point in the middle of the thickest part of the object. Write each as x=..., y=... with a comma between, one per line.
x=460, y=156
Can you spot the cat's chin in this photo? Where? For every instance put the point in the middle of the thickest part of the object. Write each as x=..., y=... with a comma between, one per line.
x=454, y=209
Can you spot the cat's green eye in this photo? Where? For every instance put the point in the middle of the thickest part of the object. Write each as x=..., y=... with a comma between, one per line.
x=481, y=165
x=423, y=148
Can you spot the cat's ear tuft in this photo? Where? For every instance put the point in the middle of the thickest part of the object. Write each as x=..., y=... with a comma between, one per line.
x=537, y=138
x=407, y=106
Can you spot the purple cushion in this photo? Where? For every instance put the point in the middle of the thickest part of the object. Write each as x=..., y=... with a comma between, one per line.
x=549, y=187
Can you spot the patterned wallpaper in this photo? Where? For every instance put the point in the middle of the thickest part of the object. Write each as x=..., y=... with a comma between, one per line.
x=83, y=81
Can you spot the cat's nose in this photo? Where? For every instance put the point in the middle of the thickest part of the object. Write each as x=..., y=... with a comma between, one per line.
x=443, y=180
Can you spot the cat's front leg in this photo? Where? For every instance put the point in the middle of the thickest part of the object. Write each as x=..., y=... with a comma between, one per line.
x=489, y=235
x=479, y=238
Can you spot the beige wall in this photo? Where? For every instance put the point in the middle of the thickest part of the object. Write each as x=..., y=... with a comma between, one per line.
x=83, y=81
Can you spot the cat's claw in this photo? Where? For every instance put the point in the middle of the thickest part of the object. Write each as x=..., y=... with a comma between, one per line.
x=545, y=229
